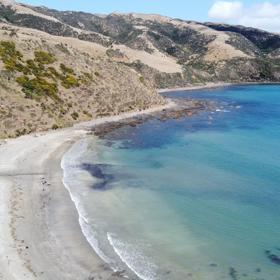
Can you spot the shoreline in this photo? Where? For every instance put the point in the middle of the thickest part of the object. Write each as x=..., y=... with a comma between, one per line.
x=41, y=237
x=213, y=86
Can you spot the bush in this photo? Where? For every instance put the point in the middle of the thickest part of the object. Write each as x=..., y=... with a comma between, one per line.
x=35, y=81
x=66, y=70
x=51, y=71
x=44, y=57
x=87, y=114
x=55, y=127
x=37, y=87
x=69, y=81
x=10, y=56
x=22, y=80
x=142, y=79
x=75, y=115
x=8, y=50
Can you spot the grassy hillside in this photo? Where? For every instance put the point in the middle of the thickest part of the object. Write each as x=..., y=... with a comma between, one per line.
x=58, y=67
x=47, y=84
x=168, y=52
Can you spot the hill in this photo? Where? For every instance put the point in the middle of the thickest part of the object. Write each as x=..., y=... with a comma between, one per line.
x=114, y=62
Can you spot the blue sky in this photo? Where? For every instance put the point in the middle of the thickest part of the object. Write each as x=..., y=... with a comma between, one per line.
x=262, y=14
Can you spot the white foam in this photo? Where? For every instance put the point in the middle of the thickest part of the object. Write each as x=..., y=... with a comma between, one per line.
x=86, y=228
x=222, y=110
x=69, y=159
x=134, y=258
x=129, y=255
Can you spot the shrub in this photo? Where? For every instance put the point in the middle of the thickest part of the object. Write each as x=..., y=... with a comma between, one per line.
x=87, y=114
x=55, y=126
x=35, y=81
x=8, y=50
x=10, y=56
x=22, y=80
x=69, y=81
x=51, y=71
x=37, y=87
x=142, y=79
x=66, y=70
x=44, y=57
x=75, y=115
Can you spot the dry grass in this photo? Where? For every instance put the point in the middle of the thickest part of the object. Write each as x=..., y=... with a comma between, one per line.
x=115, y=88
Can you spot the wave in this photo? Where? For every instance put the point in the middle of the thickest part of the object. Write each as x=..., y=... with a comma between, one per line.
x=83, y=221
x=129, y=255
x=134, y=258
x=222, y=110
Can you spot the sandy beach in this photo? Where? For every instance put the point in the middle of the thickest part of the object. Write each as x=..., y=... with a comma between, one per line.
x=40, y=233
x=196, y=87
x=213, y=86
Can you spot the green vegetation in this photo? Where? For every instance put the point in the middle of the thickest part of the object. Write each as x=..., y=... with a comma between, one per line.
x=42, y=57
x=38, y=87
x=66, y=70
x=75, y=115
x=142, y=79
x=69, y=81
x=87, y=114
x=39, y=78
x=55, y=127
x=10, y=56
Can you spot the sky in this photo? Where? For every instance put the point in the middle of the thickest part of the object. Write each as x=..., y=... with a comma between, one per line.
x=255, y=13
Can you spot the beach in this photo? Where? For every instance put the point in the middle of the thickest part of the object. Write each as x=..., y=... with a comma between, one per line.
x=40, y=233
x=41, y=237
x=212, y=85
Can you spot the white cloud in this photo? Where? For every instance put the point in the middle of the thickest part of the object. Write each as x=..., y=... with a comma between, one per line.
x=226, y=10
x=264, y=15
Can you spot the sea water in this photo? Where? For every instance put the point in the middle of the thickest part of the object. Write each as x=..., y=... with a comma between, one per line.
x=192, y=198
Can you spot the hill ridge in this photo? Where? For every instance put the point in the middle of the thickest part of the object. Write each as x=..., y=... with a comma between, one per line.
x=134, y=54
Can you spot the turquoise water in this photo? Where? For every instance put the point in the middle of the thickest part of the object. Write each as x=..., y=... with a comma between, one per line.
x=194, y=198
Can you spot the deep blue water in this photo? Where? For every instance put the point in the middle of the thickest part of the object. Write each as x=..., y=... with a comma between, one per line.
x=193, y=198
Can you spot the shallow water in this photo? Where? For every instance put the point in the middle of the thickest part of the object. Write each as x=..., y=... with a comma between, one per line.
x=194, y=198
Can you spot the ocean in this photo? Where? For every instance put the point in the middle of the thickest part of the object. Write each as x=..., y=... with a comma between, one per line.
x=191, y=198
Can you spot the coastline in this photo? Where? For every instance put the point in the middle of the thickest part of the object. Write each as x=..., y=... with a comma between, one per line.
x=40, y=233
x=41, y=237
x=214, y=85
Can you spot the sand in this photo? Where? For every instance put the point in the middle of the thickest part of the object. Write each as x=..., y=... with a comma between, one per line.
x=195, y=87
x=40, y=233
x=211, y=85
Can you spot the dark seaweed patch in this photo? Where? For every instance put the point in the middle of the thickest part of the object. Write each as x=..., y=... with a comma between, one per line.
x=233, y=273
x=97, y=171
x=272, y=257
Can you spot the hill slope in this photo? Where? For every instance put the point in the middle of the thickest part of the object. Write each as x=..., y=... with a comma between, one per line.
x=51, y=81
x=117, y=60
x=169, y=51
